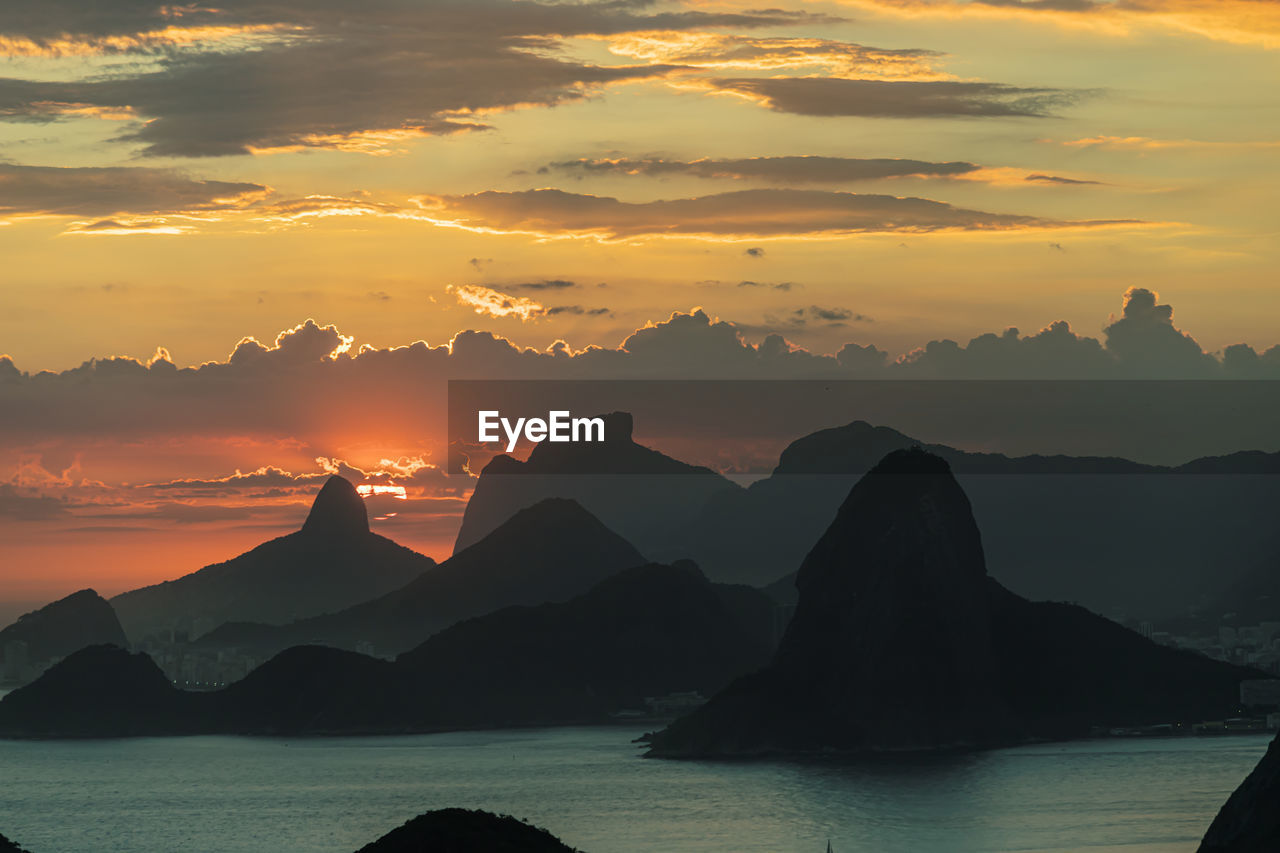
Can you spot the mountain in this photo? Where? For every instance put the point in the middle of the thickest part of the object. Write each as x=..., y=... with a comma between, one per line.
x=99, y=691
x=900, y=641
x=466, y=831
x=647, y=631
x=56, y=630
x=1112, y=534
x=334, y=561
x=551, y=551
x=636, y=491
x=1249, y=821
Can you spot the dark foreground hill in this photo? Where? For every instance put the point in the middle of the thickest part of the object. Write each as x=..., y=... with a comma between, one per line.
x=1249, y=822
x=466, y=831
x=551, y=551
x=333, y=562
x=56, y=630
x=648, y=631
x=900, y=641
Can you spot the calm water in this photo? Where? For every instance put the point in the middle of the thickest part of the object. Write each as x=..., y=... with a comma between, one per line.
x=226, y=795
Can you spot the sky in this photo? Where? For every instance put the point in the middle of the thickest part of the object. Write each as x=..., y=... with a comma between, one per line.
x=245, y=244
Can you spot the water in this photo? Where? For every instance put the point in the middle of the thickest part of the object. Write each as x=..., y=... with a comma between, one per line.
x=586, y=785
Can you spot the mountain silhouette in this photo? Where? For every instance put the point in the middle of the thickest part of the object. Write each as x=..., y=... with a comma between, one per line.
x=551, y=551
x=334, y=561
x=1249, y=821
x=466, y=831
x=633, y=489
x=647, y=631
x=1110, y=533
x=107, y=692
x=56, y=630
x=900, y=641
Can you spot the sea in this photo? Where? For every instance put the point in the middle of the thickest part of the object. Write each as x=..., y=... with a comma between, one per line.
x=591, y=787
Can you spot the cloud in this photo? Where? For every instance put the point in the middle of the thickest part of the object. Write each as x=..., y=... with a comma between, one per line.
x=723, y=51
x=826, y=96
x=24, y=507
x=1056, y=179
x=1147, y=143
x=782, y=170
x=1232, y=21
x=546, y=284
x=103, y=192
x=1144, y=337
x=778, y=285
x=753, y=252
x=367, y=83
x=745, y=213
x=488, y=302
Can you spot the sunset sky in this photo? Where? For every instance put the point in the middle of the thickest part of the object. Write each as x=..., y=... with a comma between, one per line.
x=292, y=193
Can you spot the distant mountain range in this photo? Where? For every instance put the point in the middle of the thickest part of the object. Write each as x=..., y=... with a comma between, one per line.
x=900, y=641
x=1110, y=533
x=334, y=561
x=636, y=491
x=550, y=551
x=647, y=631
x=56, y=630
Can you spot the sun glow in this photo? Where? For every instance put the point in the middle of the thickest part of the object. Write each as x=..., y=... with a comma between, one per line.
x=368, y=490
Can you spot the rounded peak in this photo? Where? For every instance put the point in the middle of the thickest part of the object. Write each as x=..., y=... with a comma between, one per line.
x=618, y=426
x=912, y=460
x=338, y=510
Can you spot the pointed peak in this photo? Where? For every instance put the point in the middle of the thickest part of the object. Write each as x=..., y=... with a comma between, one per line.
x=338, y=510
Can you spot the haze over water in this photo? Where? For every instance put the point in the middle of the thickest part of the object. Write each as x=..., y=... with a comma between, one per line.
x=587, y=786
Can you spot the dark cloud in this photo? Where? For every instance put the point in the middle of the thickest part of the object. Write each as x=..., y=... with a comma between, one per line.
x=780, y=285
x=824, y=96
x=114, y=190
x=784, y=170
x=577, y=310
x=14, y=504
x=754, y=252
x=329, y=78
x=1056, y=179
x=762, y=212
x=1144, y=337
x=547, y=284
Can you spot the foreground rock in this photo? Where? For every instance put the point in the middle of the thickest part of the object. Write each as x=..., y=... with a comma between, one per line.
x=900, y=641
x=466, y=831
x=1249, y=822
x=7, y=846
x=333, y=562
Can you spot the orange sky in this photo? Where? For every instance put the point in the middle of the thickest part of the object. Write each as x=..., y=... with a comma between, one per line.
x=883, y=173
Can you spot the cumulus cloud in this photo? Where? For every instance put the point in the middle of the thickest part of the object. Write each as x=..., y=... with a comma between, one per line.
x=782, y=170
x=830, y=96
x=745, y=213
